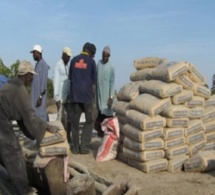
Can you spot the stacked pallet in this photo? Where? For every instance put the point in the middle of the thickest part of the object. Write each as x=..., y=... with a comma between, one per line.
x=166, y=115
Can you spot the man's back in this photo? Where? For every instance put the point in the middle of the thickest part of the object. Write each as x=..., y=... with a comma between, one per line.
x=82, y=76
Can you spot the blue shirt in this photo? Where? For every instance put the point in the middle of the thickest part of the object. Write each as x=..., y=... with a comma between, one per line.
x=82, y=75
x=3, y=80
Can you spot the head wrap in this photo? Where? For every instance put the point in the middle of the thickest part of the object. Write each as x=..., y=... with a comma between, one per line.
x=106, y=49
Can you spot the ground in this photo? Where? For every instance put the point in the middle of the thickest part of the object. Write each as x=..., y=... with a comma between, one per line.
x=165, y=183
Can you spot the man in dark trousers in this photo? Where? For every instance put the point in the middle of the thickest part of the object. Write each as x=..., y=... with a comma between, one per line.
x=15, y=105
x=82, y=76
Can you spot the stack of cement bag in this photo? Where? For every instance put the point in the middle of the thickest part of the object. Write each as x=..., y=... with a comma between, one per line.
x=166, y=115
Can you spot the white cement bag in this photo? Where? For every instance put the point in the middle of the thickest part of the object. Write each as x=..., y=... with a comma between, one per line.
x=210, y=137
x=148, y=62
x=176, y=164
x=143, y=155
x=194, y=126
x=177, y=122
x=196, y=113
x=108, y=148
x=141, y=75
x=121, y=118
x=168, y=144
x=196, y=76
x=201, y=162
x=210, y=146
x=175, y=111
x=202, y=91
x=209, y=127
x=160, y=89
x=152, y=166
x=195, y=102
x=139, y=135
x=149, y=104
x=143, y=121
x=171, y=133
x=209, y=115
x=169, y=71
x=186, y=82
x=174, y=152
x=210, y=102
x=184, y=96
x=195, y=148
x=120, y=107
x=129, y=92
x=140, y=146
x=195, y=138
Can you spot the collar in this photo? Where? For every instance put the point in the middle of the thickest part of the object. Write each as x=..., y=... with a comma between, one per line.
x=83, y=52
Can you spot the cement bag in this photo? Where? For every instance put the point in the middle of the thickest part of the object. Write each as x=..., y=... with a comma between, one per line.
x=195, y=138
x=196, y=76
x=175, y=111
x=148, y=62
x=141, y=75
x=210, y=102
x=53, y=138
x=196, y=113
x=177, y=122
x=209, y=115
x=149, y=104
x=194, y=126
x=55, y=149
x=169, y=71
x=152, y=166
x=176, y=164
x=168, y=144
x=129, y=92
x=201, y=162
x=202, y=91
x=121, y=118
x=171, y=133
x=195, y=102
x=177, y=151
x=185, y=81
x=139, y=135
x=210, y=137
x=210, y=146
x=209, y=127
x=143, y=155
x=108, y=148
x=195, y=148
x=160, y=89
x=140, y=146
x=143, y=121
x=120, y=107
x=182, y=97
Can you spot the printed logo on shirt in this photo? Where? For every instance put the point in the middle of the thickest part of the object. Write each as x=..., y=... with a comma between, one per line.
x=81, y=64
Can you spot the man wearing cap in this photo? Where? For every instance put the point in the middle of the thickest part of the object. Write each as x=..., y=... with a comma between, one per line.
x=61, y=90
x=82, y=75
x=105, y=89
x=15, y=105
x=38, y=87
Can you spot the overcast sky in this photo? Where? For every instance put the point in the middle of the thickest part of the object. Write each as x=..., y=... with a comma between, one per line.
x=179, y=30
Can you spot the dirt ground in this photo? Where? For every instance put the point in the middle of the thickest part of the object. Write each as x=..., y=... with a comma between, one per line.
x=165, y=183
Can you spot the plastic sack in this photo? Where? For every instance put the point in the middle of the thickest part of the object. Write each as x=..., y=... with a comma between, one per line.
x=108, y=148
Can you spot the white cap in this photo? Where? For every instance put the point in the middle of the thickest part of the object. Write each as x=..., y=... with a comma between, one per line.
x=67, y=51
x=25, y=67
x=37, y=48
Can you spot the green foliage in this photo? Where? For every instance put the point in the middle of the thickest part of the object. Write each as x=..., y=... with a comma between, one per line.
x=212, y=91
x=4, y=69
x=14, y=69
x=50, y=88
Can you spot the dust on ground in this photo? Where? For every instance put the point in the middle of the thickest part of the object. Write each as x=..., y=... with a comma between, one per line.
x=165, y=183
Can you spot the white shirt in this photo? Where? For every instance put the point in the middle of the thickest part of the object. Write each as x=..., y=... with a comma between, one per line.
x=61, y=81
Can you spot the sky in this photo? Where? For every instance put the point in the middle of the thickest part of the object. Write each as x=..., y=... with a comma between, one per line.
x=179, y=30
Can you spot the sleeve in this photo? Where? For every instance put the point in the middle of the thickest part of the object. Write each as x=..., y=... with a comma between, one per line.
x=94, y=72
x=44, y=77
x=112, y=81
x=56, y=83
x=70, y=70
x=35, y=126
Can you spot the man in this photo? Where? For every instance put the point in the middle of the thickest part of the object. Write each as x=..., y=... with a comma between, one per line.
x=105, y=89
x=38, y=88
x=15, y=105
x=61, y=90
x=3, y=80
x=82, y=75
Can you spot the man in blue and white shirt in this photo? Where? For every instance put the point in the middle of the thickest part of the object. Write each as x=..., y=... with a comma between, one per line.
x=61, y=90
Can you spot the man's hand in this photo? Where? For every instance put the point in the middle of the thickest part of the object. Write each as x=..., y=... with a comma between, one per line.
x=58, y=105
x=39, y=102
x=110, y=102
x=52, y=129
